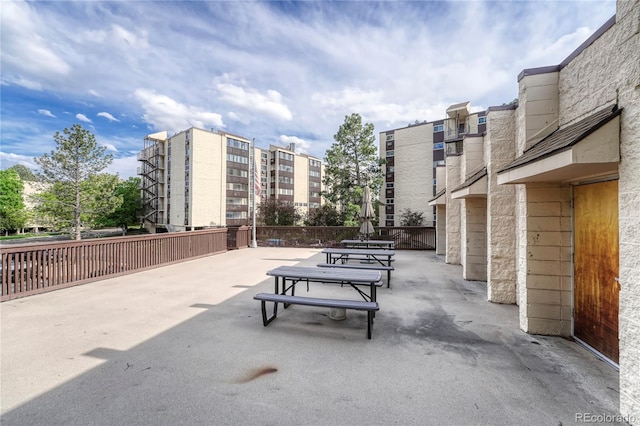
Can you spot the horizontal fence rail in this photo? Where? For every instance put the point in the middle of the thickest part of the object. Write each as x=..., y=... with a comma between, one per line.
x=29, y=269
x=404, y=238
x=37, y=268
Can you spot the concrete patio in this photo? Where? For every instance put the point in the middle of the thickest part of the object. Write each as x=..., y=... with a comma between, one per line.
x=185, y=344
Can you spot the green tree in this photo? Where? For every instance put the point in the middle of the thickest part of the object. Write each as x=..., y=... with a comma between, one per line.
x=274, y=212
x=127, y=213
x=411, y=218
x=68, y=172
x=12, y=209
x=351, y=163
x=24, y=172
x=98, y=199
x=327, y=215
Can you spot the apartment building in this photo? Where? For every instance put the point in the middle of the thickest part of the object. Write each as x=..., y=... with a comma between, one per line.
x=199, y=178
x=413, y=154
x=544, y=204
x=292, y=178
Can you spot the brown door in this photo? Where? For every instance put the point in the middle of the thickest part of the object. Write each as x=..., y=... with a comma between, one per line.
x=595, y=320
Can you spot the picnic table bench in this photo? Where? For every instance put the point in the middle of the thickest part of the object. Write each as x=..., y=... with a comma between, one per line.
x=359, y=305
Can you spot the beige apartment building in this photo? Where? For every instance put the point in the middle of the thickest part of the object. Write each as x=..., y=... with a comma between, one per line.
x=293, y=178
x=545, y=204
x=418, y=150
x=199, y=178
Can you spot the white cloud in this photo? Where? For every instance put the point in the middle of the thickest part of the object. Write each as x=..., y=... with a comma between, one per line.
x=110, y=147
x=301, y=145
x=84, y=118
x=24, y=82
x=164, y=113
x=46, y=113
x=23, y=46
x=107, y=116
x=269, y=103
x=125, y=167
x=11, y=159
x=274, y=72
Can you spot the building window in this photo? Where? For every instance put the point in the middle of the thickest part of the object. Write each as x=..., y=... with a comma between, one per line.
x=389, y=138
x=285, y=168
x=390, y=153
x=314, y=174
x=438, y=128
x=285, y=191
x=389, y=217
x=285, y=179
x=390, y=169
x=439, y=145
x=237, y=186
x=285, y=156
x=237, y=159
x=389, y=184
x=237, y=201
x=236, y=215
x=389, y=200
x=234, y=143
x=482, y=120
x=314, y=163
x=236, y=172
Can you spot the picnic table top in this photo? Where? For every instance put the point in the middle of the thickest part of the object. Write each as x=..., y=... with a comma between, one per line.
x=326, y=274
x=362, y=251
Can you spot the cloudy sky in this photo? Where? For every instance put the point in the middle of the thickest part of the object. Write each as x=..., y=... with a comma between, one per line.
x=278, y=72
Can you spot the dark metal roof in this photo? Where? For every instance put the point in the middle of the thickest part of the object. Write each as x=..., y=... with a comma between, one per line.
x=472, y=179
x=564, y=138
x=439, y=194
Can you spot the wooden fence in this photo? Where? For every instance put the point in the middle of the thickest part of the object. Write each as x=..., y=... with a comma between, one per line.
x=405, y=238
x=29, y=269
x=37, y=268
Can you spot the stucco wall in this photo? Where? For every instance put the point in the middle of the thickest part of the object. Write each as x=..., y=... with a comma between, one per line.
x=208, y=184
x=413, y=173
x=501, y=208
x=453, y=211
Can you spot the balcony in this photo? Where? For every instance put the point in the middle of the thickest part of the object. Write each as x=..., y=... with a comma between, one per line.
x=185, y=344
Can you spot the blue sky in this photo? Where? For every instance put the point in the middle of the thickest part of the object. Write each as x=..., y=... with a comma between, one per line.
x=278, y=72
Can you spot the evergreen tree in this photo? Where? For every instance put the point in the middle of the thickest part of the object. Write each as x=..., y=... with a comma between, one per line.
x=351, y=163
x=67, y=172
